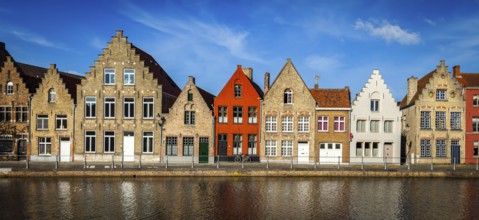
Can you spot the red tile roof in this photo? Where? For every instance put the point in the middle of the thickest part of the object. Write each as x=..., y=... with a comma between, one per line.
x=420, y=86
x=332, y=98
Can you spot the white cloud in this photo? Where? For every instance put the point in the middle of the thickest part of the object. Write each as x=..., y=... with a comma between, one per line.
x=36, y=39
x=322, y=64
x=73, y=72
x=388, y=32
x=430, y=22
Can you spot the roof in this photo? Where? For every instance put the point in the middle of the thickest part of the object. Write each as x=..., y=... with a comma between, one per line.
x=421, y=84
x=208, y=97
x=257, y=88
x=469, y=79
x=332, y=98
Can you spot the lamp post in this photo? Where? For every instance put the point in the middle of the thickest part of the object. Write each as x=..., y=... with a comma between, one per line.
x=161, y=123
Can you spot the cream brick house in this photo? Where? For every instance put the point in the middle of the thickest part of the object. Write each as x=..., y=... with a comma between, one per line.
x=433, y=118
x=189, y=126
x=120, y=104
x=287, y=118
x=52, y=110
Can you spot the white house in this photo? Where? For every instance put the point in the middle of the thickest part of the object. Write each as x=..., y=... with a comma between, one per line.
x=375, y=124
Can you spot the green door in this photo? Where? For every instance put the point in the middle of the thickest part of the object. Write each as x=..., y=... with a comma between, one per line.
x=203, y=150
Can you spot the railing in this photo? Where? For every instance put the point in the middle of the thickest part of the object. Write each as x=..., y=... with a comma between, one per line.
x=245, y=162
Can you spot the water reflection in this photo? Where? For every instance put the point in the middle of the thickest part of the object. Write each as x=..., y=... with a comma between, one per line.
x=239, y=198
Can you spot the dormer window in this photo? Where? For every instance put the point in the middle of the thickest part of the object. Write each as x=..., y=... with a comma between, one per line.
x=237, y=91
x=9, y=88
x=441, y=95
x=288, y=96
x=52, y=95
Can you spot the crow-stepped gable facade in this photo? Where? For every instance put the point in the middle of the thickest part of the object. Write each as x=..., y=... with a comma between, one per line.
x=120, y=104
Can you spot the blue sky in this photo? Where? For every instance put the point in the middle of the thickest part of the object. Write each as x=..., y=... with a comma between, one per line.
x=342, y=41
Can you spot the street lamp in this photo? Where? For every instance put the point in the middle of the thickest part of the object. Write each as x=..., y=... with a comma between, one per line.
x=161, y=123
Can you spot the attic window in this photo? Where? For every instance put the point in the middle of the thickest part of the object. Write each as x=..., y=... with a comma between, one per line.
x=237, y=90
x=441, y=94
x=9, y=88
x=52, y=95
x=288, y=96
x=190, y=96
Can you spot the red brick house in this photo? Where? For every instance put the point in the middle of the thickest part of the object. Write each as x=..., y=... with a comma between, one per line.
x=237, y=117
x=470, y=81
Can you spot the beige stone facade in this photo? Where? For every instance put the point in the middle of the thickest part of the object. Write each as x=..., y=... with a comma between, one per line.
x=189, y=126
x=52, y=118
x=120, y=105
x=433, y=118
x=287, y=124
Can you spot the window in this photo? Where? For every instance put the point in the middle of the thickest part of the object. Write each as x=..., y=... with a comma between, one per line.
x=189, y=117
x=5, y=114
x=475, y=101
x=237, y=114
x=252, y=144
x=128, y=77
x=148, y=142
x=388, y=126
x=303, y=123
x=148, y=107
x=440, y=148
x=21, y=113
x=190, y=96
x=9, y=88
x=323, y=123
x=42, y=122
x=475, y=124
x=252, y=115
x=61, y=122
x=359, y=149
x=90, y=107
x=188, y=146
x=52, y=95
x=109, y=76
x=476, y=148
x=367, y=149
x=441, y=120
x=222, y=114
x=361, y=125
x=425, y=148
x=374, y=126
x=109, y=141
x=339, y=124
x=288, y=96
x=270, y=149
x=171, y=146
x=90, y=141
x=271, y=124
x=375, y=149
x=129, y=108
x=425, y=120
x=237, y=91
x=109, y=107
x=441, y=94
x=44, y=146
x=287, y=124
x=237, y=144
x=456, y=120
x=286, y=148
x=374, y=105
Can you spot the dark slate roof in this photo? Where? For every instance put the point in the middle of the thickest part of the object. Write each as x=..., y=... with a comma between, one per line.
x=257, y=88
x=421, y=84
x=3, y=53
x=170, y=89
x=332, y=98
x=208, y=97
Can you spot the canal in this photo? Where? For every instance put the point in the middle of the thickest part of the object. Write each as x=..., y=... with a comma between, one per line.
x=239, y=198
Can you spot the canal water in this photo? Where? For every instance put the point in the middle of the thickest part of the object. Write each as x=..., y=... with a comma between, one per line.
x=239, y=198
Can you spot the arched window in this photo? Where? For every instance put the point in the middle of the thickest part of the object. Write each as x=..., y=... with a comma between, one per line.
x=9, y=88
x=52, y=95
x=288, y=96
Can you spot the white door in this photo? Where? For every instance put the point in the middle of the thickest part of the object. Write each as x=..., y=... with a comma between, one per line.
x=128, y=146
x=65, y=150
x=388, y=149
x=330, y=152
x=303, y=152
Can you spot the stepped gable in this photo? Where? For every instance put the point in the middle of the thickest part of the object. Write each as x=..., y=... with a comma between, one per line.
x=332, y=98
x=207, y=97
x=421, y=84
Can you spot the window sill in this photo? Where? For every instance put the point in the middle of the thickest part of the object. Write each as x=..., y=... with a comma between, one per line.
x=108, y=152
x=90, y=152
x=426, y=129
x=340, y=131
x=44, y=155
x=323, y=131
x=63, y=129
x=147, y=153
x=108, y=118
x=42, y=129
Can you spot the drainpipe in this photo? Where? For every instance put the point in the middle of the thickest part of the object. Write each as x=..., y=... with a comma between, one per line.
x=29, y=145
x=72, y=139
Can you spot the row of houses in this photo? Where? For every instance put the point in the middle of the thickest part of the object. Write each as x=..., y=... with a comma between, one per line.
x=128, y=108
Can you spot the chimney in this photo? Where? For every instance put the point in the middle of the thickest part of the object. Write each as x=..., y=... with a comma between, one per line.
x=248, y=72
x=2, y=46
x=266, y=82
x=119, y=33
x=53, y=66
x=456, y=71
x=316, y=86
x=411, y=88
x=192, y=79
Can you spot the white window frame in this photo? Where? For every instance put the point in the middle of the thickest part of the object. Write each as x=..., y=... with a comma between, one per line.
x=441, y=94
x=374, y=126
x=339, y=120
x=190, y=118
x=128, y=77
x=252, y=115
x=128, y=108
x=237, y=114
x=148, y=142
x=238, y=90
x=323, y=121
x=91, y=136
x=271, y=123
x=90, y=100
x=148, y=107
x=374, y=107
x=52, y=95
x=475, y=101
x=42, y=122
x=388, y=126
x=21, y=114
x=9, y=88
x=237, y=144
x=252, y=144
x=109, y=142
x=425, y=121
x=456, y=121
x=171, y=146
x=44, y=146
x=61, y=122
x=475, y=124
x=109, y=76
x=303, y=123
x=286, y=148
x=188, y=146
x=441, y=148
x=111, y=103
x=361, y=126
x=270, y=149
x=440, y=120
x=222, y=114
x=288, y=96
x=287, y=123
